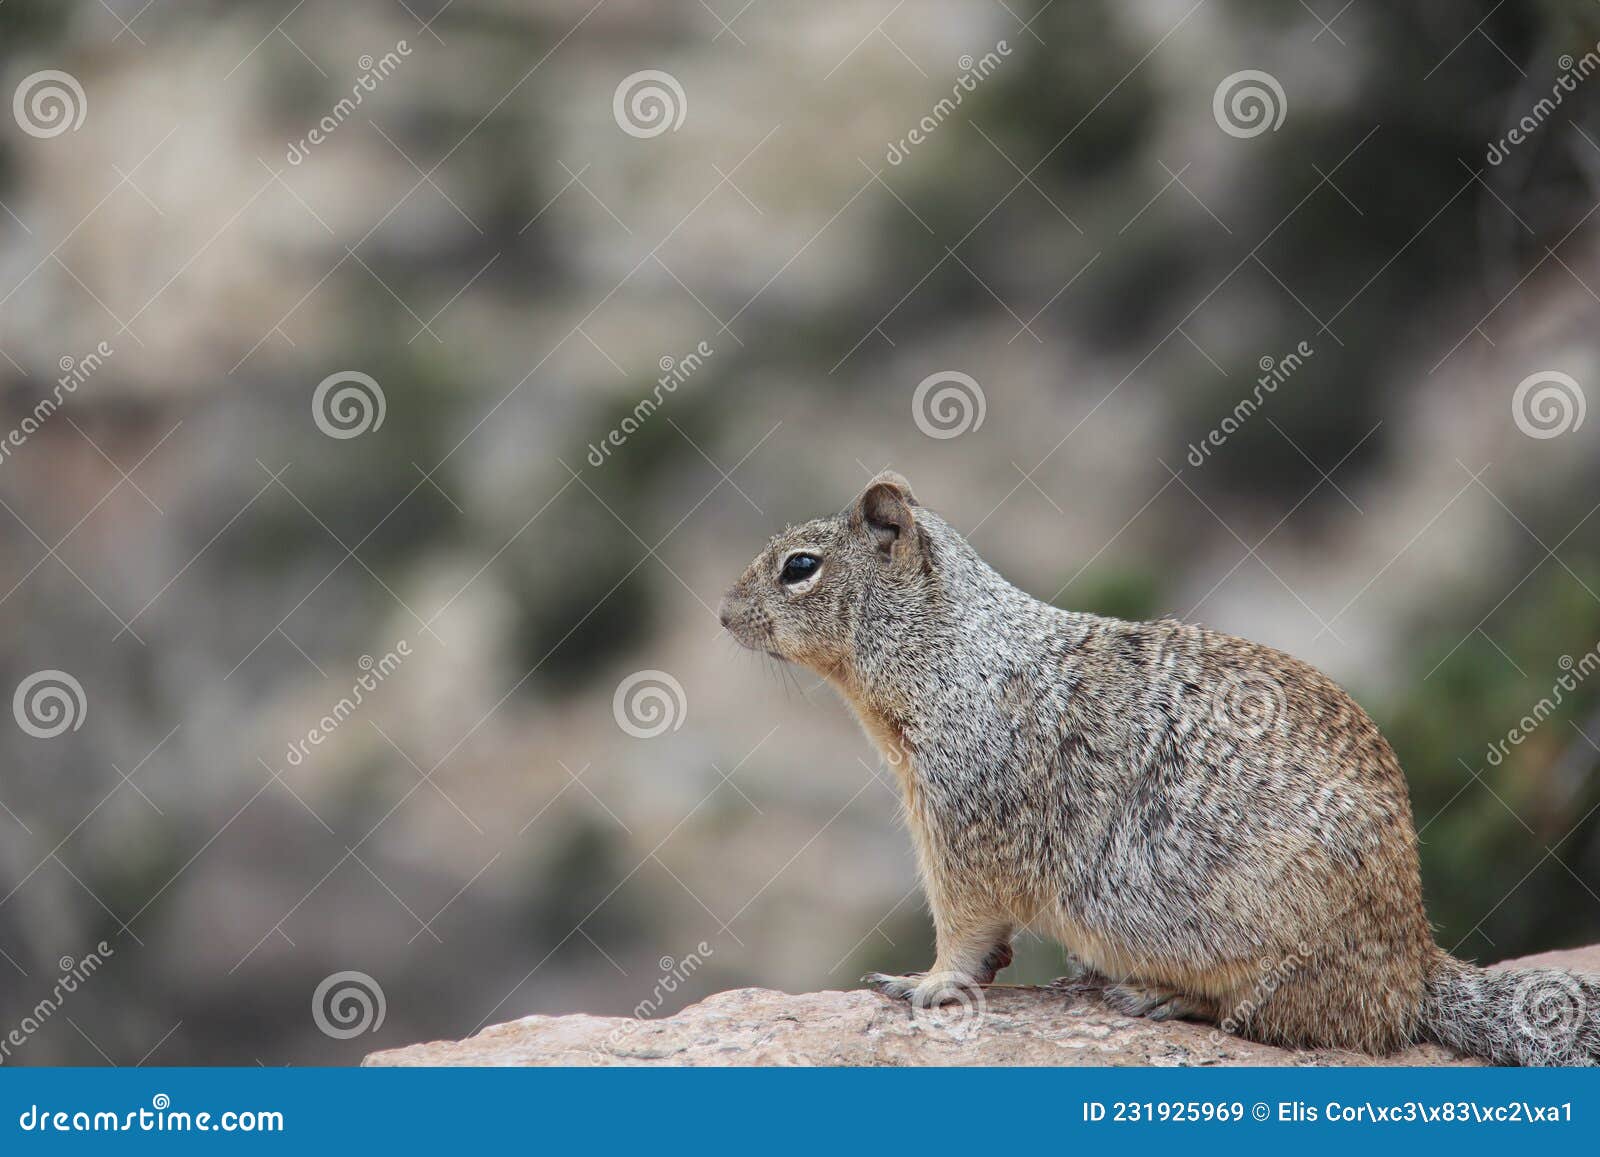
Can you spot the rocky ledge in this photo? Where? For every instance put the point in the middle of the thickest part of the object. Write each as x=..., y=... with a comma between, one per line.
x=1010, y=1025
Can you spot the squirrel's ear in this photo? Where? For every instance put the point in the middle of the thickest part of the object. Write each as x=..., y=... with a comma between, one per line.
x=883, y=512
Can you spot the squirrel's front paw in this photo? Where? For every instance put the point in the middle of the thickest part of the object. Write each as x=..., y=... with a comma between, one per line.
x=896, y=987
x=922, y=989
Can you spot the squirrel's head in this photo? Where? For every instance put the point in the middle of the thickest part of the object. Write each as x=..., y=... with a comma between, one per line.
x=802, y=597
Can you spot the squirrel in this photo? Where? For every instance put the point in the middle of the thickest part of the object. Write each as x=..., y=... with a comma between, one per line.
x=1213, y=823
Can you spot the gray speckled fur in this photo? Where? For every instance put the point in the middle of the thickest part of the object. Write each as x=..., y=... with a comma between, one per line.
x=1210, y=823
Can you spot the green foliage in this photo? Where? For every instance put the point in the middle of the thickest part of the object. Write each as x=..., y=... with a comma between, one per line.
x=1119, y=594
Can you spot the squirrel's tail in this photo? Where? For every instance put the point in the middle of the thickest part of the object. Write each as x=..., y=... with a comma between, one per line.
x=1515, y=1016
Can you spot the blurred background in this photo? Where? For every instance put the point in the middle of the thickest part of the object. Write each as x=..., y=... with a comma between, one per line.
x=391, y=388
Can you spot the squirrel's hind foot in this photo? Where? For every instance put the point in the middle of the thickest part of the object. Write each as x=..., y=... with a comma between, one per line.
x=1156, y=1003
x=1081, y=976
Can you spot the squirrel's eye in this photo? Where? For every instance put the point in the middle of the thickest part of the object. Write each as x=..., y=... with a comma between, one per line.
x=799, y=567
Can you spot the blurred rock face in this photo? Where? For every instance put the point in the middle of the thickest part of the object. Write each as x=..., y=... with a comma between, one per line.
x=388, y=394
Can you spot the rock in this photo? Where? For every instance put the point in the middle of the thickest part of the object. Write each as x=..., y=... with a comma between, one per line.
x=1009, y=1025
x=1573, y=959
